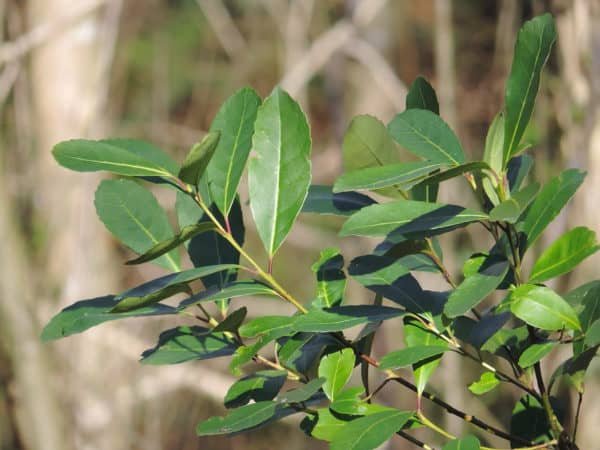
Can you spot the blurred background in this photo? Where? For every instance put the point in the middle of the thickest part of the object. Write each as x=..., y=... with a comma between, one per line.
x=158, y=70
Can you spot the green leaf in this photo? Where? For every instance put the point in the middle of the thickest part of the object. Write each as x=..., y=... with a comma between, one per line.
x=86, y=314
x=303, y=393
x=322, y=200
x=426, y=135
x=411, y=355
x=147, y=151
x=331, y=280
x=342, y=317
x=266, y=325
x=235, y=120
x=183, y=344
x=510, y=210
x=535, y=353
x=422, y=96
x=302, y=351
x=549, y=202
x=477, y=286
x=408, y=217
x=132, y=214
x=369, y=432
x=231, y=290
x=416, y=335
x=279, y=175
x=184, y=235
x=436, y=178
x=486, y=383
x=573, y=369
x=542, y=308
x=592, y=334
x=518, y=168
x=336, y=368
x=367, y=143
x=239, y=419
x=263, y=385
x=466, y=443
x=233, y=320
x=564, y=254
x=325, y=426
x=494, y=142
x=371, y=178
x=349, y=403
x=92, y=156
x=586, y=299
x=197, y=159
x=163, y=287
x=532, y=49
x=529, y=421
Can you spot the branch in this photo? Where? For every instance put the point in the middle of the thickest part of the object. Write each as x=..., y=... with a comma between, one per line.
x=224, y=27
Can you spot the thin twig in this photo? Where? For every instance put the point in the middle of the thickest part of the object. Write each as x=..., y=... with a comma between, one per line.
x=414, y=440
x=579, y=401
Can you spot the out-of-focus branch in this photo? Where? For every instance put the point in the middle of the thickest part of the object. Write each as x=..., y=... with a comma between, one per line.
x=380, y=69
x=328, y=43
x=41, y=33
x=7, y=80
x=444, y=61
x=224, y=27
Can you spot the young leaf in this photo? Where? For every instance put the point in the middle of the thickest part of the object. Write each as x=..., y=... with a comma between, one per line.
x=239, y=419
x=416, y=335
x=403, y=175
x=408, y=217
x=510, y=210
x=494, y=141
x=86, y=314
x=477, y=286
x=322, y=200
x=564, y=254
x=411, y=355
x=197, y=159
x=426, y=135
x=132, y=214
x=549, y=202
x=349, y=403
x=486, y=383
x=532, y=49
x=235, y=120
x=92, y=156
x=369, y=432
x=535, y=353
x=331, y=280
x=263, y=385
x=342, y=317
x=279, y=175
x=542, y=308
x=466, y=443
x=336, y=368
x=183, y=344
x=184, y=235
x=422, y=96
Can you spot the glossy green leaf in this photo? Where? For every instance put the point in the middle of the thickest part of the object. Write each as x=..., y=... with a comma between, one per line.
x=85, y=314
x=267, y=324
x=325, y=426
x=542, y=308
x=477, y=286
x=426, y=135
x=197, y=159
x=301, y=352
x=260, y=386
x=466, y=443
x=184, y=235
x=416, y=335
x=592, y=334
x=549, y=202
x=336, y=368
x=421, y=95
x=92, y=156
x=349, y=403
x=510, y=210
x=470, y=167
x=331, y=280
x=486, y=383
x=132, y=214
x=302, y=393
x=369, y=432
x=535, y=353
x=233, y=320
x=147, y=151
x=494, y=142
x=235, y=120
x=183, y=344
x=529, y=421
x=239, y=419
x=371, y=270
x=586, y=300
x=343, y=317
x=408, y=217
x=574, y=369
x=403, y=175
x=279, y=175
x=322, y=200
x=410, y=355
x=234, y=289
x=532, y=49
x=564, y=254
x=135, y=302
